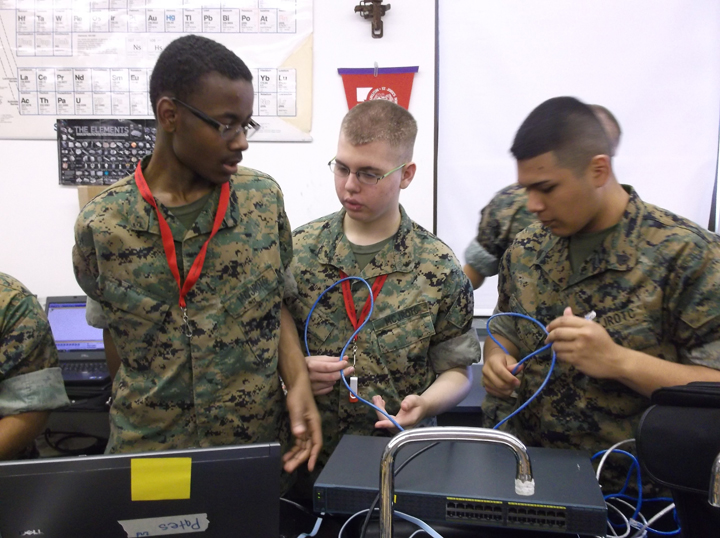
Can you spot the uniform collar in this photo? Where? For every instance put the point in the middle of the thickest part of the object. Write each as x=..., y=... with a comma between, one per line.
x=142, y=217
x=334, y=249
x=618, y=251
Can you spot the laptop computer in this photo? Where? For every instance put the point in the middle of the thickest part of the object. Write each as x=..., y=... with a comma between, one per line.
x=209, y=493
x=80, y=346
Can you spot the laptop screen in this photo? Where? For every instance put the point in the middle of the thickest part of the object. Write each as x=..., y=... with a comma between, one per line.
x=70, y=329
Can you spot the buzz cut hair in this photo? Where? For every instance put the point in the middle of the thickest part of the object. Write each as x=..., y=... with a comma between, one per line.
x=185, y=61
x=566, y=127
x=380, y=121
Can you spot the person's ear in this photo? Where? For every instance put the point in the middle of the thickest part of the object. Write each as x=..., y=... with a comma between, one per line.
x=599, y=170
x=408, y=173
x=167, y=114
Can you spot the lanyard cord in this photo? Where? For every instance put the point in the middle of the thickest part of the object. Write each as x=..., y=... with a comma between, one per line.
x=352, y=337
x=169, y=243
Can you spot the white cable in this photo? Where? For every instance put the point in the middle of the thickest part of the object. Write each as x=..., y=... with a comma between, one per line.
x=627, y=523
x=610, y=451
x=653, y=519
x=350, y=519
x=423, y=526
x=315, y=530
x=414, y=534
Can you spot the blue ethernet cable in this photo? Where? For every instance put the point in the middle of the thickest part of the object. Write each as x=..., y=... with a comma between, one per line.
x=342, y=354
x=531, y=355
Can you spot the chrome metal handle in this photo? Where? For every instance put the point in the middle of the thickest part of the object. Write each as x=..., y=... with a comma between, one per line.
x=524, y=483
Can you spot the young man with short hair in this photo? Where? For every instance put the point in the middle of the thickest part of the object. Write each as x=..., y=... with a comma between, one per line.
x=189, y=259
x=413, y=356
x=650, y=280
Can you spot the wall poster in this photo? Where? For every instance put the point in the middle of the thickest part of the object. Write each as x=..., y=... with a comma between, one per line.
x=93, y=59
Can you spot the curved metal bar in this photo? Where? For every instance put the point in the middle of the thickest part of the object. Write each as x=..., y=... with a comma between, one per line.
x=714, y=494
x=524, y=484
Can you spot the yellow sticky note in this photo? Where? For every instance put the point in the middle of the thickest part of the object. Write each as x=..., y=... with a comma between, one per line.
x=160, y=479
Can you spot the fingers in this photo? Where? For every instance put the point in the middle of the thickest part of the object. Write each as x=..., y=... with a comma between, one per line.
x=498, y=379
x=567, y=311
x=325, y=371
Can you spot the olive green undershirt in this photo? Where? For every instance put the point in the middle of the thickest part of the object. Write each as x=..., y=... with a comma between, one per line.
x=187, y=215
x=583, y=245
x=365, y=253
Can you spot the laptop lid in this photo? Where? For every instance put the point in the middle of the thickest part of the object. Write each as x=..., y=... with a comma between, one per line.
x=208, y=493
x=80, y=347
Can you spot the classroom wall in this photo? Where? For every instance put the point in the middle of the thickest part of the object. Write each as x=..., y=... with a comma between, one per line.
x=653, y=63
x=37, y=215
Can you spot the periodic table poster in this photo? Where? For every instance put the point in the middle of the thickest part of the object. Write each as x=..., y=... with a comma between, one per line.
x=93, y=58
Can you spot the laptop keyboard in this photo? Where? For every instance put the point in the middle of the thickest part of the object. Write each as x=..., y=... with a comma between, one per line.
x=85, y=367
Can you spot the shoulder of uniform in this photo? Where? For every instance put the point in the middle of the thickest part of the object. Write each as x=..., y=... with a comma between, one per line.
x=11, y=285
x=675, y=227
x=424, y=239
x=314, y=227
x=249, y=176
x=113, y=194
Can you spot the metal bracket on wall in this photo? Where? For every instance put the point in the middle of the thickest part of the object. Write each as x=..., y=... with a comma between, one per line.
x=373, y=9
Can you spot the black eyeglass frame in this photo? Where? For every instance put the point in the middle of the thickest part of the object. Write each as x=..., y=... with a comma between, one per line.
x=226, y=131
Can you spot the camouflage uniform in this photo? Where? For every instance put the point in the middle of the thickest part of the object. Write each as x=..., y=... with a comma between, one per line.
x=220, y=386
x=420, y=326
x=30, y=379
x=500, y=221
x=654, y=284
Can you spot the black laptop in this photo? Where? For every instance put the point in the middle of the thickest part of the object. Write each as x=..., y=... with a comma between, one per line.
x=230, y=491
x=80, y=346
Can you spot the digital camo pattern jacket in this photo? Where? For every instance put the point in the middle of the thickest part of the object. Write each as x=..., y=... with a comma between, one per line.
x=500, y=221
x=30, y=378
x=421, y=325
x=654, y=284
x=220, y=386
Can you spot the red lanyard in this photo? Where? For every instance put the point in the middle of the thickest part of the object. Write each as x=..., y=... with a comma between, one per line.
x=350, y=304
x=169, y=242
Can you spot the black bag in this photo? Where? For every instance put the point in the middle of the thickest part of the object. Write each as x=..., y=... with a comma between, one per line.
x=678, y=439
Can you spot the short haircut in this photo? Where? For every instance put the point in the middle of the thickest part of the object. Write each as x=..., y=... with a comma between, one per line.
x=610, y=124
x=380, y=121
x=566, y=127
x=183, y=63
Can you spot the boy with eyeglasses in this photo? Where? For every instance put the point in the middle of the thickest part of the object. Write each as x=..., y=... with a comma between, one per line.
x=413, y=356
x=189, y=259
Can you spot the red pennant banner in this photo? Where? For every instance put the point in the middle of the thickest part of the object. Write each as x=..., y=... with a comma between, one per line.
x=388, y=83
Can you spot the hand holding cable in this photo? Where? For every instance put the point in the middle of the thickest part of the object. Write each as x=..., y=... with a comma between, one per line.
x=325, y=371
x=585, y=344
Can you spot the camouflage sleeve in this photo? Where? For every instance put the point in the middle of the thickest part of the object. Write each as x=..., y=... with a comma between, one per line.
x=694, y=299
x=84, y=257
x=95, y=316
x=491, y=229
x=26, y=342
x=455, y=342
x=504, y=325
x=285, y=232
x=477, y=257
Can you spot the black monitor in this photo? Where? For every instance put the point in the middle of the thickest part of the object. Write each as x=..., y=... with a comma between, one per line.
x=209, y=493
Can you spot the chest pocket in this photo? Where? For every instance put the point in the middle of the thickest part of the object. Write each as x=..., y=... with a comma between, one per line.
x=405, y=331
x=255, y=308
x=631, y=329
x=319, y=332
x=136, y=320
x=530, y=335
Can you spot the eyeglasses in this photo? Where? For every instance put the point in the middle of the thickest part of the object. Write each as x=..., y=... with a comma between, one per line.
x=366, y=178
x=227, y=132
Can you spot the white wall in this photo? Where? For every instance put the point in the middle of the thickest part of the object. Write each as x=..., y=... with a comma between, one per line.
x=37, y=215
x=653, y=63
